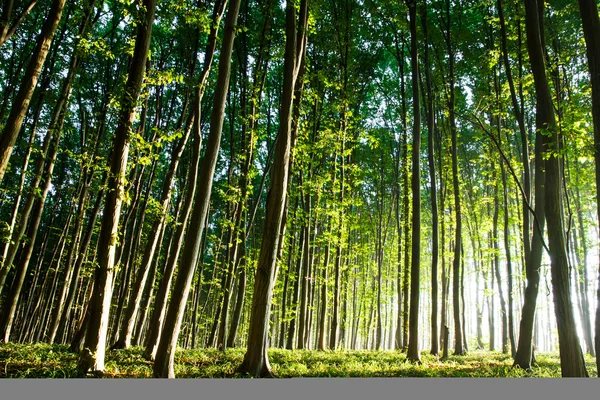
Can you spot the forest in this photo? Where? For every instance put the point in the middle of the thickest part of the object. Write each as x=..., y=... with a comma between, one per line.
x=264, y=188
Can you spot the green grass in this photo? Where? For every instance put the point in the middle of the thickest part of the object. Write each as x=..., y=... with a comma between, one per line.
x=55, y=361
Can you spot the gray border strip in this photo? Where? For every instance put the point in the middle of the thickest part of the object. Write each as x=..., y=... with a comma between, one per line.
x=302, y=389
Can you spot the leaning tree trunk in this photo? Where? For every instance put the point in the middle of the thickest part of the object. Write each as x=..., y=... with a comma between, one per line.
x=32, y=73
x=59, y=113
x=571, y=357
x=99, y=307
x=165, y=354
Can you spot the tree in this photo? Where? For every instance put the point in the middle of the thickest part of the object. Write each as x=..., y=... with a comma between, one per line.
x=95, y=339
x=591, y=30
x=165, y=353
x=7, y=29
x=34, y=68
x=571, y=356
x=256, y=359
x=432, y=177
x=414, y=353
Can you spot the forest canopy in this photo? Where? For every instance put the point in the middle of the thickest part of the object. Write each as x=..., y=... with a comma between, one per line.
x=419, y=176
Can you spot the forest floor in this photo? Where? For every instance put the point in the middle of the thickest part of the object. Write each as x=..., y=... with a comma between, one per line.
x=55, y=361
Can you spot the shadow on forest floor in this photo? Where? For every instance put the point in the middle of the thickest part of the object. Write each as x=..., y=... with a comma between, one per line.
x=55, y=361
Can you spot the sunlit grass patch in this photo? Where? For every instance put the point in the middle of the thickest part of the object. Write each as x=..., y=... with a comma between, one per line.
x=56, y=361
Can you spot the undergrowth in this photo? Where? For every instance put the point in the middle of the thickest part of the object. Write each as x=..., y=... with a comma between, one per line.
x=56, y=361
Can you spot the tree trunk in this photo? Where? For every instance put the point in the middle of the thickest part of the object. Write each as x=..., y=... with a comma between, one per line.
x=6, y=28
x=414, y=353
x=432, y=179
x=458, y=330
x=85, y=244
x=126, y=332
x=294, y=301
x=496, y=266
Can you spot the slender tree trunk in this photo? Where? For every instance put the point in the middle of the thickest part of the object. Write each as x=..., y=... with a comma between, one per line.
x=458, y=330
x=307, y=267
x=321, y=340
x=414, y=353
x=50, y=151
x=126, y=332
x=294, y=301
x=433, y=180
x=85, y=244
x=496, y=266
x=509, y=273
x=6, y=28
x=584, y=279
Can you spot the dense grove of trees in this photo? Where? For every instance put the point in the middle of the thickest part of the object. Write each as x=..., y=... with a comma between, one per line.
x=417, y=175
